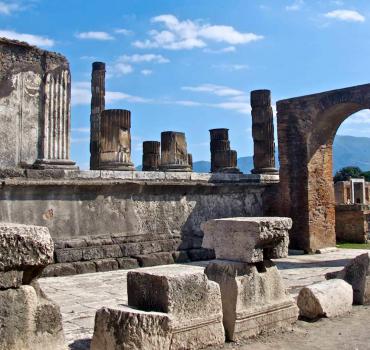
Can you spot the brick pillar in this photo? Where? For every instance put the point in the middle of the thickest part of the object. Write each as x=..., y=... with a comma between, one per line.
x=223, y=159
x=263, y=133
x=174, y=154
x=151, y=155
x=97, y=106
x=115, y=140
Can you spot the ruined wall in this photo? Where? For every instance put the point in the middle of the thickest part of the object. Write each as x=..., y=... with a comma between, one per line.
x=351, y=223
x=34, y=104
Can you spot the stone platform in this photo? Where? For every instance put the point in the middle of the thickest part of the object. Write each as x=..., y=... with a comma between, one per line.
x=80, y=296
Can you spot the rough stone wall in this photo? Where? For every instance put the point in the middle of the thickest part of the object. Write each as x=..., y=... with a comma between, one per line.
x=351, y=223
x=26, y=76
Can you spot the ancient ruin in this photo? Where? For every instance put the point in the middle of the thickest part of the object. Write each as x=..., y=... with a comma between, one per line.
x=174, y=153
x=151, y=155
x=263, y=133
x=223, y=159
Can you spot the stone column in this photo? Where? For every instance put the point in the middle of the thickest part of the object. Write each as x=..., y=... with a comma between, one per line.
x=174, y=154
x=115, y=140
x=151, y=155
x=190, y=161
x=97, y=106
x=263, y=133
x=56, y=126
x=223, y=159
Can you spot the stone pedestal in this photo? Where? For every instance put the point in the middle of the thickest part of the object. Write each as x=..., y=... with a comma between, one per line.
x=263, y=133
x=174, y=154
x=28, y=319
x=151, y=155
x=115, y=140
x=223, y=159
x=254, y=298
x=97, y=106
x=171, y=308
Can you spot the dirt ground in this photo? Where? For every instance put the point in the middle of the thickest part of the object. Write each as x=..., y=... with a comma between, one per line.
x=349, y=332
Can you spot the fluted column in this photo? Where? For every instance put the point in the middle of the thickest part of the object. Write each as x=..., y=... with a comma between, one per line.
x=115, y=140
x=263, y=133
x=174, y=154
x=151, y=155
x=97, y=106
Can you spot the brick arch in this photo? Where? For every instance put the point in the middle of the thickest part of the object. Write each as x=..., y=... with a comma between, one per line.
x=306, y=129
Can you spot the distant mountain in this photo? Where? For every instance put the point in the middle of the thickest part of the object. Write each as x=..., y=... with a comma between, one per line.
x=347, y=151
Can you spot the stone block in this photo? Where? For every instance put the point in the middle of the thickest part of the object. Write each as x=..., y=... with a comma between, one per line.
x=29, y=321
x=127, y=263
x=63, y=269
x=98, y=241
x=126, y=328
x=130, y=249
x=92, y=253
x=170, y=245
x=24, y=246
x=106, y=265
x=186, y=295
x=84, y=267
x=10, y=279
x=155, y=259
x=180, y=257
x=75, y=243
x=149, y=175
x=112, y=251
x=204, y=177
x=254, y=298
x=178, y=176
x=325, y=299
x=356, y=274
x=243, y=239
x=68, y=255
x=201, y=254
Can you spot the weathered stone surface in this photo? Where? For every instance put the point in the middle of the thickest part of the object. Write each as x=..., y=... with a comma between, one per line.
x=84, y=267
x=356, y=274
x=112, y=251
x=244, y=238
x=24, y=246
x=151, y=155
x=201, y=254
x=10, y=279
x=106, y=265
x=62, y=269
x=187, y=296
x=180, y=257
x=325, y=299
x=92, y=253
x=174, y=154
x=29, y=321
x=254, y=298
x=127, y=263
x=127, y=328
x=154, y=259
x=68, y=255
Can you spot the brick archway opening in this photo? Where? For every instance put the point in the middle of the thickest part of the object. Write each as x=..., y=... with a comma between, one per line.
x=307, y=126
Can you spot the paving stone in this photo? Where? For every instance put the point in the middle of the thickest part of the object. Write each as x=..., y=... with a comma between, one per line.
x=356, y=274
x=243, y=239
x=325, y=299
x=155, y=259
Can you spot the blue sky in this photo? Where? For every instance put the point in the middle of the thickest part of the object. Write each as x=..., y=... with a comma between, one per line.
x=190, y=65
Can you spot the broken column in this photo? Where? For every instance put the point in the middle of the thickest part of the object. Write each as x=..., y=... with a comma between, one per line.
x=115, y=140
x=253, y=295
x=97, y=106
x=223, y=159
x=170, y=308
x=151, y=155
x=263, y=133
x=28, y=319
x=190, y=161
x=174, y=154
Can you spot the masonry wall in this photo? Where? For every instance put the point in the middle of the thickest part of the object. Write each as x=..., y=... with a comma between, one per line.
x=92, y=219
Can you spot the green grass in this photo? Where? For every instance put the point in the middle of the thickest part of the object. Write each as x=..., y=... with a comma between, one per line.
x=354, y=245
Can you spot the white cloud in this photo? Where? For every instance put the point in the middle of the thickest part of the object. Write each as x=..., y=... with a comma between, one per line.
x=187, y=34
x=104, y=36
x=8, y=8
x=143, y=58
x=346, y=15
x=123, y=68
x=231, y=67
x=295, y=6
x=222, y=50
x=217, y=90
x=146, y=72
x=362, y=117
x=81, y=95
x=29, y=38
x=123, y=31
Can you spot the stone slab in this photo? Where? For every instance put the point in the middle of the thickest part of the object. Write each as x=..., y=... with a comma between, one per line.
x=356, y=274
x=245, y=238
x=10, y=279
x=24, y=246
x=325, y=299
x=154, y=259
x=254, y=298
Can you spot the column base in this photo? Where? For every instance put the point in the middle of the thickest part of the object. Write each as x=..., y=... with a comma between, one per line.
x=270, y=171
x=116, y=166
x=175, y=168
x=228, y=171
x=65, y=164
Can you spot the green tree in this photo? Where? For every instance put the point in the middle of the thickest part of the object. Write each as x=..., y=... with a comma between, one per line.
x=349, y=171
x=366, y=175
